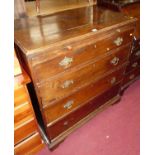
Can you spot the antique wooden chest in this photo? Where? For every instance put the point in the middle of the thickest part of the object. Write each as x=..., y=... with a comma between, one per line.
x=76, y=59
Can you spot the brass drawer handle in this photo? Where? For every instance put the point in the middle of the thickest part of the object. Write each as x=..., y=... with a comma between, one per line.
x=69, y=104
x=118, y=41
x=66, y=62
x=134, y=64
x=137, y=53
x=114, y=61
x=113, y=80
x=67, y=83
x=131, y=76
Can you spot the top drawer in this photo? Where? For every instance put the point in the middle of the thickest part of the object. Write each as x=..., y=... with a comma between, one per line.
x=53, y=62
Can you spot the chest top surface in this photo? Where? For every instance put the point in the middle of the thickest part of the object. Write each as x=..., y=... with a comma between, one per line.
x=34, y=34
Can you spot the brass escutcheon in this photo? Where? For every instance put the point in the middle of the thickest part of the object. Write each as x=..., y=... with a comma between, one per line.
x=66, y=123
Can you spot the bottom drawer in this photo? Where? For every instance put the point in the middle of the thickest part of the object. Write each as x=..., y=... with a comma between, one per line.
x=131, y=76
x=71, y=119
x=24, y=130
x=29, y=146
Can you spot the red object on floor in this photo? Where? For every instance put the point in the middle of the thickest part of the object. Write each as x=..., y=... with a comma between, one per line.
x=115, y=131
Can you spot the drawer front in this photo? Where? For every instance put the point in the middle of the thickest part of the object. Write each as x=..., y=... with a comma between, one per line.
x=133, y=65
x=74, y=101
x=24, y=130
x=63, y=85
x=131, y=76
x=73, y=55
x=68, y=121
x=21, y=112
x=29, y=146
x=20, y=96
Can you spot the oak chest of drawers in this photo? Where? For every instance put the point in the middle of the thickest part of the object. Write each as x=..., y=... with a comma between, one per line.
x=76, y=59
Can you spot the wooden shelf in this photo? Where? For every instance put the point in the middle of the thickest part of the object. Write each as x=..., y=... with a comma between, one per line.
x=53, y=6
